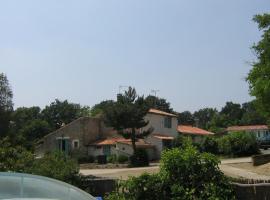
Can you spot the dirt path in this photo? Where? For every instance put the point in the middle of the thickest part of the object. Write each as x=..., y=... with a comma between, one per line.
x=123, y=173
x=228, y=170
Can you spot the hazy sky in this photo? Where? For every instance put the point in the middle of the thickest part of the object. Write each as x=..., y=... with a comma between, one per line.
x=195, y=53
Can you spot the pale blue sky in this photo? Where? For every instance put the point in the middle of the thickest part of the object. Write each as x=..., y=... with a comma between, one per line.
x=194, y=52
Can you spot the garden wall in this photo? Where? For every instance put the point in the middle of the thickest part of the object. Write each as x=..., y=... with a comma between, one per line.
x=97, y=186
x=260, y=159
x=259, y=191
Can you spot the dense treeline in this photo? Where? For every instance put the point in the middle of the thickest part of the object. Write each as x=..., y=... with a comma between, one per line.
x=231, y=114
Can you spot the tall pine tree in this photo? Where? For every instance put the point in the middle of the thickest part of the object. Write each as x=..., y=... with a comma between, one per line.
x=126, y=115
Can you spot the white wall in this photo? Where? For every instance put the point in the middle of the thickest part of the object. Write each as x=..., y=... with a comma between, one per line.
x=157, y=122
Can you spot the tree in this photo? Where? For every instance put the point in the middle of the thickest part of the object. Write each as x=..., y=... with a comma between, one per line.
x=232, y=113
x=259, y=76
x=126, y=115
x=158, y=103
x=185, y=118
x=250, y=115
x=62, y=112
x=6, y=105
x=204, y=116
x=100, y=108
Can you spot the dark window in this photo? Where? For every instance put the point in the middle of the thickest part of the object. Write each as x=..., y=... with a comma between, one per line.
x=168, y=122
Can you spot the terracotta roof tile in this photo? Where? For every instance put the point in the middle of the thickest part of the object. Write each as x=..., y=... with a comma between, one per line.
x=159, y=112
x=163, y=137
x=247, y=128
x=192, y=130
x=139, y=143
x=108, y=141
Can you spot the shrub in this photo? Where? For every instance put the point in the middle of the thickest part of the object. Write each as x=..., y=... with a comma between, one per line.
x=16, y=159
x=86, y=159
x=56, y=165
x=122, y=159
x=186, y=174
x=139, y=158
x=210, y=145
x=239, y=144
x=191, y=173
x=112, y=159
x=146, y=186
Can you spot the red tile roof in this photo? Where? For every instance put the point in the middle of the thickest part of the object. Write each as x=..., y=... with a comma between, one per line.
x=163, y=137
x=159, y=112
x=192, y=130
x=139, y=143
x=108, y=141
x=247, y=128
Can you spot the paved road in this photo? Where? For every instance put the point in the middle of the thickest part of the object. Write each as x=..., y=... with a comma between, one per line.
x=124, y=173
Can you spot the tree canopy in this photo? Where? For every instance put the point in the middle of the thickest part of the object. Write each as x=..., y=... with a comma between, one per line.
x=6, y=105
x=158, y=103
x=126, y=115
x=63, y=112
x=259, y=76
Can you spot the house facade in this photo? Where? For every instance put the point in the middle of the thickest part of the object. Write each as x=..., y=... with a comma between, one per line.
x=261, y=132
x=90, y=136
x=196, y=134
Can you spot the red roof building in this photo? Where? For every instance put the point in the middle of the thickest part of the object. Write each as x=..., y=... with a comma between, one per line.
x=184, y=129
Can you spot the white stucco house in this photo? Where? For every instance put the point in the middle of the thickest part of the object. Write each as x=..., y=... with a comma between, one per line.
x=165, y=130
x=261, y=132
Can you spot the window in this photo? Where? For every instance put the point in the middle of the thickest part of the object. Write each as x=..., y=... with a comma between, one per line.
x=168, y=122
x=76, y=144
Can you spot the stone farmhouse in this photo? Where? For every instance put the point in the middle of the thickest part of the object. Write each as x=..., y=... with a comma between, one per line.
x=90, y=136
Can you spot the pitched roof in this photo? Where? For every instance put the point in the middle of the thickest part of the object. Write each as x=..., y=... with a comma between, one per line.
x=247, y=128
x=107, y=141
x=192, y=130
x=159, y=112
x=163, y=137
x=139, y=143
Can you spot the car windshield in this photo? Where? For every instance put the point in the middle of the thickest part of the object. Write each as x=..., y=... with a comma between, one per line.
x=24, y=186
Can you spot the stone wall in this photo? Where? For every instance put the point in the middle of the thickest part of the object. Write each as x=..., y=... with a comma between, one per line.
x=259, y=191
x=260, y=159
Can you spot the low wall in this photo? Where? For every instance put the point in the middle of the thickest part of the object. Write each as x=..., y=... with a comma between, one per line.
x=259, y=191
x=98, y=186
x=260, y=159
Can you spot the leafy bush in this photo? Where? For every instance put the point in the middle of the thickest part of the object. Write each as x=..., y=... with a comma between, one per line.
x=185, y=174
x=112, y=159
x=14, y=158
x=194, y=174
x=210, y=145
x=56, y=165
x=122, y=159
x=239, y=144
x=139, y=158
x=86, y=159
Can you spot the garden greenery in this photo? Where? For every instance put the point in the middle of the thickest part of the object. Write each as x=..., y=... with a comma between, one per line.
x=185, y=174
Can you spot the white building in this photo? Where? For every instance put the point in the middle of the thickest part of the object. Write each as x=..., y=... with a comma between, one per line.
x=165, y=130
